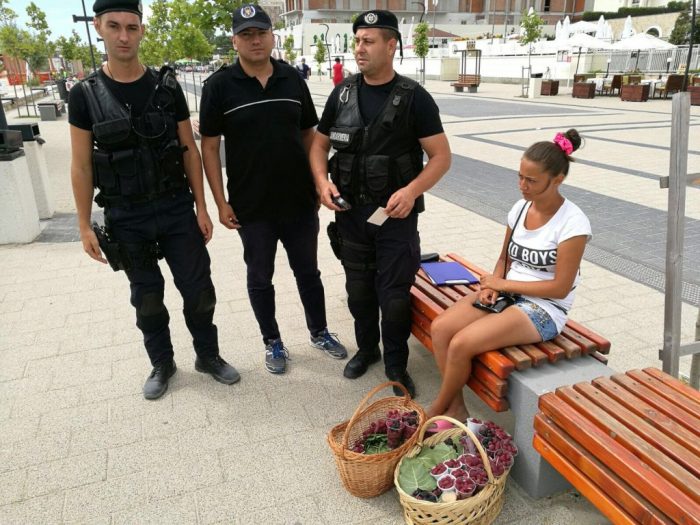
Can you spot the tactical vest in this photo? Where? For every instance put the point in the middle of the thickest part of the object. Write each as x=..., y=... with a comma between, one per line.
x=372, y=162
x=135, y=158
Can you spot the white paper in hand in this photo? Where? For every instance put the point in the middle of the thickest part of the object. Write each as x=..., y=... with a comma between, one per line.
x=378, y=217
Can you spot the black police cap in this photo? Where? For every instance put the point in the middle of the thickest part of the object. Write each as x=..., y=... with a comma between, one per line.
x=376, y=18
x=105, y=6
x=250, y=15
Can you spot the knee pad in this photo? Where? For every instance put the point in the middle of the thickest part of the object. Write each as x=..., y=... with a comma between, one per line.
x=360, y=290
x=397, y=310
x=203, y=303
x=151, y=313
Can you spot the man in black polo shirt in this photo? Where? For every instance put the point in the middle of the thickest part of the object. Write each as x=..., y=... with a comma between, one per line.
x=265, y=112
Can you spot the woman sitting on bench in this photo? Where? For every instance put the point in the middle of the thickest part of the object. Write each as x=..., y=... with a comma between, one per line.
x=542, y=252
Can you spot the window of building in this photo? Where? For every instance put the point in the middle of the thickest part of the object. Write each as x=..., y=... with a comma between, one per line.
x=547, y=5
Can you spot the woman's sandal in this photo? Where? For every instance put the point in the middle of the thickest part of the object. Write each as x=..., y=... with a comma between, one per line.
x=439, y=426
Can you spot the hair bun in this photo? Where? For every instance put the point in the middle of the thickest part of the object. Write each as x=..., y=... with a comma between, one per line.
x=574, y=138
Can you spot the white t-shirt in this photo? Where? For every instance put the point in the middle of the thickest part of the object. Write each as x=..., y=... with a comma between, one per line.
x=533, y=253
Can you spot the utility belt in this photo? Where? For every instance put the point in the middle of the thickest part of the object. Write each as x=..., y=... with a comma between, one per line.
x=127, y=256
x=104, y=201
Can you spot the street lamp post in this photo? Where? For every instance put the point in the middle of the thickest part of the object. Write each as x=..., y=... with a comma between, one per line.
x=85, y=18
x=328, y=51
x=607, y=70
x=668, y=64
x=422, y=11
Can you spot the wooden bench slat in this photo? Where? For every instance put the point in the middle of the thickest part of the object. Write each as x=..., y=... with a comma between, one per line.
x=673, y=383
x=585, y=344
x=603, y=345
x=599, y=357
x=536, y=355
x=553, y=352
x=520, y=359
x=497, y=386
x=424, y=304
x=658, y=402
x=417, y=318
x=603, y=502
x=497, y=404
x=448, y=291
x=423, y=337
x=644, y=410
x=496, y=362
x=647, y=457
x=667, y=498
x=570, y=348
x=642, y=429
x=602, y=478
x=666, y=391
x=431, y=291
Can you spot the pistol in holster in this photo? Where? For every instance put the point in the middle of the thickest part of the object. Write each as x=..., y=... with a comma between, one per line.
x=116, y=256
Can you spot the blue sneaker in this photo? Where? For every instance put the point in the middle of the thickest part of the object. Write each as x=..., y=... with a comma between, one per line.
x=276, y=357
x=329, y=343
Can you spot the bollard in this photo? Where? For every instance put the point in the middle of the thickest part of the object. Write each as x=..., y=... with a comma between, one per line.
x=38, y=170
x=19, y=217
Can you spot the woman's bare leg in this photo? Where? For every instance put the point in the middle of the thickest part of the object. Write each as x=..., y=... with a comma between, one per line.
x=490, y=332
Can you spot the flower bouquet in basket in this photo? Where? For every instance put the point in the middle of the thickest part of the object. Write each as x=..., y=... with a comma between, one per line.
x=368, y=447
x=456, y=475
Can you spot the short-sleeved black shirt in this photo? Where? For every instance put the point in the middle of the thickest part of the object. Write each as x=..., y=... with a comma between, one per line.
x=267, y=167
x=131, y=94
x=372, y=98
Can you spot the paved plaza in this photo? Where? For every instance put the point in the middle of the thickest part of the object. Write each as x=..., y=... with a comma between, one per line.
x=79, y=444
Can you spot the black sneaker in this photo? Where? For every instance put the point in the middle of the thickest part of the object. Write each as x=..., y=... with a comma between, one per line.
x=218, y=369
x=157, y=383
x=401, y=376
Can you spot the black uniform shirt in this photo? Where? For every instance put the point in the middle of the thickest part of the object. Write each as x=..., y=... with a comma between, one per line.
x=266, y=164
x=372, y=98
x=131, y=94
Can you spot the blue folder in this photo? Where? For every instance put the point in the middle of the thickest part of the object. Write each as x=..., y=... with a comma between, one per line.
x=441, y=273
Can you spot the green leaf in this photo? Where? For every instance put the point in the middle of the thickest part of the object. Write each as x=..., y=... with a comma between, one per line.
x=437, y=454
x=414, y=474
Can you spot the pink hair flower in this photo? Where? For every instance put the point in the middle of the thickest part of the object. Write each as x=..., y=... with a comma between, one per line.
x=564, y=143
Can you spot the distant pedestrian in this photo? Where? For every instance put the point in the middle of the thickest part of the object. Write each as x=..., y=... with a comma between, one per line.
x=304, y=70
x=338, y=72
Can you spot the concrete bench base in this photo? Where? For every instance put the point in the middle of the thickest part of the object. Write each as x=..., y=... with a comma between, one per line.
x=530, y=470
x=19, y=217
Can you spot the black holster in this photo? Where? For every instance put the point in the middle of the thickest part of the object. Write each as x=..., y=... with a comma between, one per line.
x=116, y=256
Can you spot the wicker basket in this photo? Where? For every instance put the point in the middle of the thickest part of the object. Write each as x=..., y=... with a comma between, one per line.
x=480, y=509
x=367, y=476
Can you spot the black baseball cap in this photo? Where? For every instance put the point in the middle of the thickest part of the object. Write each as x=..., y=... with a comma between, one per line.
x=105, y=6
x=250, y=15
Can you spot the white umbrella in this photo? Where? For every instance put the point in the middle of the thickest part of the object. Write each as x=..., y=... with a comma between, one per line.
x=583, y=27
x=642, y=41
x=600, y=28
x=581, y=40
x=557, y=31
x=565, y=28
x=627, y=30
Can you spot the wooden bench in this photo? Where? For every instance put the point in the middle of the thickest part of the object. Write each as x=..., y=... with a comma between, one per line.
x=471, y=82
x=490, y=370
x=630, y=443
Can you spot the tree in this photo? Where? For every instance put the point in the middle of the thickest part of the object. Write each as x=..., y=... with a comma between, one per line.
x=680, y=35
x=40, y=48
x=289, y=52
x=421, y=47
x=7, y=15
x=320, y=55
x=532, y=32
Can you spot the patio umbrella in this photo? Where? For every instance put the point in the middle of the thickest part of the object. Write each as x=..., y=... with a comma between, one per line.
x=600, y=28
x=583, y=27
x=627, y=29
x=581, y=40
x=557, y=31
x=565, y=28
x=642, y=42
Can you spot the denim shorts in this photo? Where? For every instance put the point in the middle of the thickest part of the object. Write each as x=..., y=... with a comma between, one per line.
x=543, y=322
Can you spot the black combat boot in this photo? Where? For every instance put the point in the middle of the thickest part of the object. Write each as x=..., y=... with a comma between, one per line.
x=157, y=383
x=401, y=376
x=219, y=369
x=360, y=362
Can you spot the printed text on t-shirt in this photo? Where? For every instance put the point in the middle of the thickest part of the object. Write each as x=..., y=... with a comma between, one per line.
x=531, y=258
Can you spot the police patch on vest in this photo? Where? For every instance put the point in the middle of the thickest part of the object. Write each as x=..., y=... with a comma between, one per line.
x=340, y=137
x=248, y=11
x=371, y=18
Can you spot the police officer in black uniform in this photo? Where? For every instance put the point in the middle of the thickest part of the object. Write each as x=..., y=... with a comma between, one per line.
x=379, y=124
x=132, y=140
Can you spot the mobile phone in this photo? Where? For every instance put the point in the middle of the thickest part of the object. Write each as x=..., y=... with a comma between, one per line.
x=502, y=302
x=341, y=203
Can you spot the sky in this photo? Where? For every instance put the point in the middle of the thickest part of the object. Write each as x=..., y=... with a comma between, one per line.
x=59, y=15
